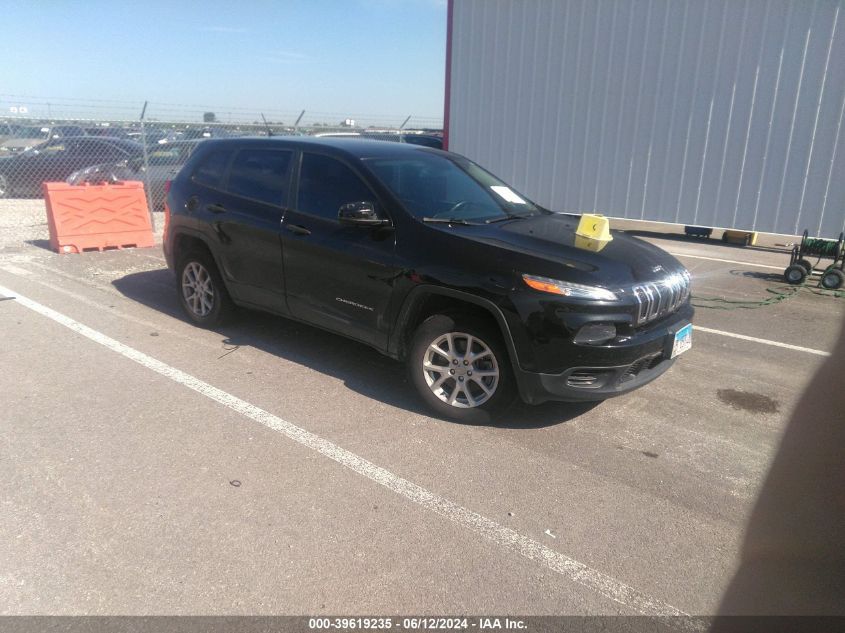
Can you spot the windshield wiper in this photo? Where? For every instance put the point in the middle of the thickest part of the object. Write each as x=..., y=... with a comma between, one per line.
x=501, y=219
x=449, y=221
x=511, y=216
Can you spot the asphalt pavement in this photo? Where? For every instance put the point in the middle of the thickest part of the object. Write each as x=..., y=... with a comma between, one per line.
x=268, y=467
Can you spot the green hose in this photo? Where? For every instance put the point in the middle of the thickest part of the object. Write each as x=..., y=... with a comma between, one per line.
x=820, y=246
x=778, y=294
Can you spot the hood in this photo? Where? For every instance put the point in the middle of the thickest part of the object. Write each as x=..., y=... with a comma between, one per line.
x=548, y=245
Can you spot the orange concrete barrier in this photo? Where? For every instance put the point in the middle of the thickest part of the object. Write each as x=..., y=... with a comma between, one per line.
x=97, y=217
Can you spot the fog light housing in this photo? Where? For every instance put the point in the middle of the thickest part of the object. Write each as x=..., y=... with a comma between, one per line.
x=595, y=333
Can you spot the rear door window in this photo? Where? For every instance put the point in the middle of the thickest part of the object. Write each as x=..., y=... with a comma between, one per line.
x=212, y=168
x=261, y=174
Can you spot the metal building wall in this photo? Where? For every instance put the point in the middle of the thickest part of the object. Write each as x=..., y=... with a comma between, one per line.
x=723, y=113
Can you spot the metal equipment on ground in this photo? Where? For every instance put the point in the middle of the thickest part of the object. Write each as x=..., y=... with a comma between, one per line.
x=801, y=266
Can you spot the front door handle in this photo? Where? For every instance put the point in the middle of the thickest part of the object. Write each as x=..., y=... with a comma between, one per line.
x=216, y=208
x=297, y=230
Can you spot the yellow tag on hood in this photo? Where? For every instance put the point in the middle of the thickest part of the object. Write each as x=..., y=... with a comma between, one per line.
x=589, y=244
x=595, y=227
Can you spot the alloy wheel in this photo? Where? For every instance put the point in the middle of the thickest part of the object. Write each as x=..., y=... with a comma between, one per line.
x=198, y=289
x=461, y=370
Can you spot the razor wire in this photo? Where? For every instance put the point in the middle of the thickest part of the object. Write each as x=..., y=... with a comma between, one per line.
x=93, y=141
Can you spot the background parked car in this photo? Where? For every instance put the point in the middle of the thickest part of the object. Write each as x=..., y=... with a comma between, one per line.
x=427, y=140
x=190, y=134
x=29, y=136
x=152, y=134
x=110, y=131
x=164, y=162
x=22, y=174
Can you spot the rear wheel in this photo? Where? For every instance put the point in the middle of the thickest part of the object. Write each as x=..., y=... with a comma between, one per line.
x=795, y=274
x=201, y=291
x=460, y=368
x=4, y=187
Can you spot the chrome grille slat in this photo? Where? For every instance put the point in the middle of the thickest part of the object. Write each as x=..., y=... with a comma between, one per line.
x=659, y=298
x=662, y=298
x=655, y=304
x=638, y=292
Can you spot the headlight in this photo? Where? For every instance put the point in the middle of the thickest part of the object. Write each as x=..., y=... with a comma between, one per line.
x=568, y=289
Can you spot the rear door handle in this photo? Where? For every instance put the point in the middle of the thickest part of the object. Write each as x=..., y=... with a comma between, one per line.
x=297, y=230
x=216, y=208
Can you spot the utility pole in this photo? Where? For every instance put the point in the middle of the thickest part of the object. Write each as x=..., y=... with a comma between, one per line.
x=298, y=119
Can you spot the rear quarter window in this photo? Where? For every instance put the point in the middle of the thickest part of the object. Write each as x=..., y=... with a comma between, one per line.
x=211, y=168
x=261, y=175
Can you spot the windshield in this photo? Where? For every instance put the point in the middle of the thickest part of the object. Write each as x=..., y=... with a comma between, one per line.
x=440, y=188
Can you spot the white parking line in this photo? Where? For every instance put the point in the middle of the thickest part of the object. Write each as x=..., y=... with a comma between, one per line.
x=764, y=341
x=503, y=536
x=729, y=261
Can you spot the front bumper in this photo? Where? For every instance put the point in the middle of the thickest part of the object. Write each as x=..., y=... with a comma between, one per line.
x=643, y=358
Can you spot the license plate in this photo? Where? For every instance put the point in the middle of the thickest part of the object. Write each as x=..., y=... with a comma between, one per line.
x=683, y=340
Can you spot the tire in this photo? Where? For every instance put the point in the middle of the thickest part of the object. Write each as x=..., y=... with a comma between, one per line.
x=805, y=265
x=201, y=291
x=463, y=393
x=795, y=274
x=832, y=279
x=4, y=187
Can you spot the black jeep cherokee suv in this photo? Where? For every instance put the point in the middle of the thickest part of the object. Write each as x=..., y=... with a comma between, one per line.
x=428, y=258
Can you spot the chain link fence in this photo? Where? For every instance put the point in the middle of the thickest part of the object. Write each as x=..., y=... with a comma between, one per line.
x=98, y=141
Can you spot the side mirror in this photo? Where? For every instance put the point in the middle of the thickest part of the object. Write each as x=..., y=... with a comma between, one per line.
x=360, y=214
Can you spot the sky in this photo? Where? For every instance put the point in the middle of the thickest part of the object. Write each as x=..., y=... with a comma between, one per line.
x=332, y=58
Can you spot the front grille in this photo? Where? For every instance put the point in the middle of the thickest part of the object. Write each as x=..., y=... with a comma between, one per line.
x=633, y=370
x=648, y=362
x=659, y=298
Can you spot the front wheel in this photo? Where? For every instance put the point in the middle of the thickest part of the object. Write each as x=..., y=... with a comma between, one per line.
x=795, y=274
x=459, y=366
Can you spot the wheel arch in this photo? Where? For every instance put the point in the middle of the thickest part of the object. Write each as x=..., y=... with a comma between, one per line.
x=185, y=240
x=425, y=301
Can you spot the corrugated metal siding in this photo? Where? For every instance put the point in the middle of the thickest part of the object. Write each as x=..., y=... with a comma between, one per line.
x=721, y=113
